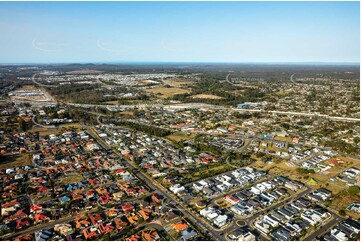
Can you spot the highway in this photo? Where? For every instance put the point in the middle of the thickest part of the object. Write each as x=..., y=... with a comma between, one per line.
x=201, y=105
x=217, y=107
x=303, y=114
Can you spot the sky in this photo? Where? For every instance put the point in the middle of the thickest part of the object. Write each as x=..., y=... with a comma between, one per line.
x=69, y=32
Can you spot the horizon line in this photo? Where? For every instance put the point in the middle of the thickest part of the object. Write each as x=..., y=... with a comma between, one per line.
x=184, y=62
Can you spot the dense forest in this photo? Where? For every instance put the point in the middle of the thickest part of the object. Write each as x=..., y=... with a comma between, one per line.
x=221, y=89
x=80, y=93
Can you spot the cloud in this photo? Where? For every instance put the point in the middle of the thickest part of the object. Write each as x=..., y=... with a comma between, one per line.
x=48, y=46
x=109, y=47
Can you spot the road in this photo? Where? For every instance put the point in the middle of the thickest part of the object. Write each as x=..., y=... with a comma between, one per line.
x=217, y=107
x=40, y=84
x=250, y=220
x=227, y=80
x=195, y=106
x=318, y=233
x=291, y=79
x=47, y=225
x=205, y=228
x=273, y=207
x=43, y=126
x=303, y=114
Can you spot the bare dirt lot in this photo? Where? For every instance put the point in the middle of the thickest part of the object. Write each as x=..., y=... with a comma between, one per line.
x=26, y=88
x=321, y=179
x=17, y=160
x=30, y=94
x=206, y=96
x=176, y=82
x=165, y=92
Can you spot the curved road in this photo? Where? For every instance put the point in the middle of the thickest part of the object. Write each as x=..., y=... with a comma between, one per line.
x=40, y=84
x=291, y=79
x=227, y=80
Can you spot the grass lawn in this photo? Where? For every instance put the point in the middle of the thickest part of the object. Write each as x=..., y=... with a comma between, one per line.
x=280, y=138
x=173, y=233
x=71, y=125
x=353, y=214
x=207, y=172
x=9, y=161
x=282, y=169
x=176, y=82
x=115, y=102
x=214, y=169
x=275, y=148
x=71, y=178
x=194, y=201
x=223, y=203
x=47, y=131
x=342, y=201
x=166, y=92
x=279, y=94
x=180, y=136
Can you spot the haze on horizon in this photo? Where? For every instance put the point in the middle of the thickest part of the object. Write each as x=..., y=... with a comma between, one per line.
x=60, y=32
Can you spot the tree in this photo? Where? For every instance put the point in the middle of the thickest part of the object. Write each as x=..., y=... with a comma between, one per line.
x=356, y=140
x=22, y=125
x=342, y=212
x=354, y=190
x=140, y=220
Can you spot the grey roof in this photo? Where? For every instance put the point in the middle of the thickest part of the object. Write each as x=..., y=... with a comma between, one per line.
x=188, y=234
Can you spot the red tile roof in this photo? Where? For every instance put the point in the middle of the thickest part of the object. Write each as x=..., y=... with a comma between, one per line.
x=127, y=207
x=40, y=217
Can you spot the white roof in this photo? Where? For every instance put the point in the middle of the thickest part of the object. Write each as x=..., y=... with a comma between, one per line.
x=221, y=218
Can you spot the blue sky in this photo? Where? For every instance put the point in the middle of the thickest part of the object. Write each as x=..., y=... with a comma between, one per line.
x=179, y=32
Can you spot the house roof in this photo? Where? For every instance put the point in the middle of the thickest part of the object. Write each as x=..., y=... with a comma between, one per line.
x=88, y=234
x=171, y=215
x=40, y=217
x=9, y=204
x=144, y=213
x=18, y=215
x=127, y=207
x=188, y=234
x=180, y=226
x=106, y=228
x=134, y=237
x=133, y=219
x=95, y=218
x=150, y=235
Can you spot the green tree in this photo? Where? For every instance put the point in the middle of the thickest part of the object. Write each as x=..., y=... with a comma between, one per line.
x=354, y=190
x=342, y=212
